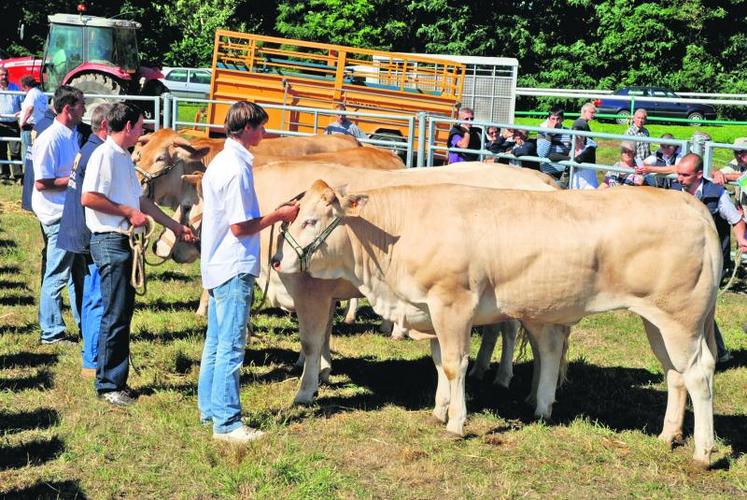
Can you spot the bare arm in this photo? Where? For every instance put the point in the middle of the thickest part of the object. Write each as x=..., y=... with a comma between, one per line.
x=463, y=143
x=253, y=226
x=739, y=231
x=53, y=184
x=150, y=208
x=25, y=116
x=722, y=178
x=100, y=203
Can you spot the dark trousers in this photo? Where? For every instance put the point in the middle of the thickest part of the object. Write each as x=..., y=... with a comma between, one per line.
x=9, y=129
x=111, y=253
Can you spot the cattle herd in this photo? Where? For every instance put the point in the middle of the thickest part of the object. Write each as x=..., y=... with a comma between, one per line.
x=437, y=251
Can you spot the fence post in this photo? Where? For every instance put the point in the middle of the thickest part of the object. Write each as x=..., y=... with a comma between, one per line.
x=431, y=140
x=156, y=113
x=167, y=110
x=421, y=138
x=410, y=140
x=707, y=157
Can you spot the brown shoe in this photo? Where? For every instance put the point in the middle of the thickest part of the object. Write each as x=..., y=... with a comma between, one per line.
x=88, y=372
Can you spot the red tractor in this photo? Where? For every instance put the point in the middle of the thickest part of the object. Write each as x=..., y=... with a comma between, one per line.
x=95, y=54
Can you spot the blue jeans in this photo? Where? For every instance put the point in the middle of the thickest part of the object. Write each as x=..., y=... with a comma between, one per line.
x=56, y=274
x=111, y=254
x=92, y=310
x=25, y=145
x=218, y=386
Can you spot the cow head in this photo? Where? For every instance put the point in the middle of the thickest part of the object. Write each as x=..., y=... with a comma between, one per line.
x=161, y=159
x=312, y=241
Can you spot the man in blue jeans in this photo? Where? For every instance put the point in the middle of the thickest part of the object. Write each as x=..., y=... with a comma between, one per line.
x=113, y=200
x=54, y=153
x=76, y=238
x=231, y=223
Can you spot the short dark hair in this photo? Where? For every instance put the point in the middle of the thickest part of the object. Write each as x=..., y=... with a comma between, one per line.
x=244, y=113
x=99, y=114
x=698, y=161
x=122, y=113
x=29, y=81
x=555, y=111
x=65, y=95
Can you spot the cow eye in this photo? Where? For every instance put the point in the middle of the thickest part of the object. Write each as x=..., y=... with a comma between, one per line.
x=308, y=222
x=160, y=158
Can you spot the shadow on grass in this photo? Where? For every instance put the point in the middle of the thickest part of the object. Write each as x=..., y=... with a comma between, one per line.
x=27, y=359
x=160, y=305
x=48, y=490
x=269, y=355
x=18, y=329
x=42, y=380
x=739, y=360
x=41, y=418
x=10, y=269
x=197, y=331
x=171, y=276
x=33, y=453
x=7, y=244
x=18, y=300
x=13, y=285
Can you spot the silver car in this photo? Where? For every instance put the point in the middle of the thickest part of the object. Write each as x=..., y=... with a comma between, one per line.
x=187, y=82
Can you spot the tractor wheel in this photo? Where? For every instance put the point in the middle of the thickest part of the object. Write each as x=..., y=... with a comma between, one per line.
x=97, y=83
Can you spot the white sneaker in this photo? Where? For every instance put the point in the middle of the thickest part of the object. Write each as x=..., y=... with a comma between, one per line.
x=240, y=435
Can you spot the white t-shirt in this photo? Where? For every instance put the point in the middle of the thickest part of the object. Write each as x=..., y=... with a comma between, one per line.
x=228, y=193
x=110, y=172
x=37, y=99
x=54, y=153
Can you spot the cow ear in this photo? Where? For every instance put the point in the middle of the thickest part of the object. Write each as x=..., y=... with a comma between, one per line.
x=352, y=204
x=329, y=196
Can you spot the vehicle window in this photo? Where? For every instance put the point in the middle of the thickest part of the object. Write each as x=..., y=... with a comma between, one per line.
x=199, y=77
x=671, y=94
x=178, y=75
x=635, y=92
x=659, y=93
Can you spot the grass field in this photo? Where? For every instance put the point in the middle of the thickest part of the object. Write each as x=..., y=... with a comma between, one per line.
x=369, y=434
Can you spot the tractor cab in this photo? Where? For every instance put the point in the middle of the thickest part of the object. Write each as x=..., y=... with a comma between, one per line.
x=78, y=44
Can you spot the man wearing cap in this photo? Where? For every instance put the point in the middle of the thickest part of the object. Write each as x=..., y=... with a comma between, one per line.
x=736, y=168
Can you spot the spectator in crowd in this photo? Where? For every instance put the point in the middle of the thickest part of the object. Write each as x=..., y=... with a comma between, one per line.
x=638, y=129
x=76, y=238
x=113, y=200
x=588, y=112
x=342, y=125
x=584, y=151
x=523, y=147
x=554, y=146
x=499, y=141
x=33, y=108
x=463, y=136
x=736, y=167
x=10, y=106
x=230, y=263
x=613, y=179
x=690, y=180
x=662, y=162
x=54, y=153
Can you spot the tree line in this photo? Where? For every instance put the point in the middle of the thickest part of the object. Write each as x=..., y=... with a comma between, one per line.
x=687, y=45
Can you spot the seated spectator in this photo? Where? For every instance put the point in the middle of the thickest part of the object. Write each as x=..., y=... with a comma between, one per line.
x=584, y=151
x=463, y=136
x=499, y=142
x=627, y=160
x=554, y=146
x=342, y=125
x=736, y=167
x=663, y=161
x=523, y=146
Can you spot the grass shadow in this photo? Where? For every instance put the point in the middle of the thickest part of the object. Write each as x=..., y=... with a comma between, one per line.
x=161, y=305
x=171, y=276
x=10, y=269
x=18, y=329
x=739, y=360
x=197, y=332
x=269, y=355
x=33, y=453
x=48, y=490
x=7, y=244
x=42, y=380
x=18, y=300
x=41, y=418
x=27, y=359
x=13, y=285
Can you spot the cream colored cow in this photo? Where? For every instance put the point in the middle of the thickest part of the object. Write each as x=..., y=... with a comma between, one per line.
x=442, y=258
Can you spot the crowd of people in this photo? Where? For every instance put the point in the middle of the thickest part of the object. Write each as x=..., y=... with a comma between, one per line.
x=637, y=166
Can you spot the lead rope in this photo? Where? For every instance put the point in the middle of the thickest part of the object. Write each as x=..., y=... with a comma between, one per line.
x=139, y=237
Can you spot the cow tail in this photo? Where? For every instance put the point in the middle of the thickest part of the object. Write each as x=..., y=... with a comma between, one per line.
x=522, y=337
x=563, y=369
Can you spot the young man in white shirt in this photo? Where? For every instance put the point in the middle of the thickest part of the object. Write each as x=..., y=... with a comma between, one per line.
x=33, y=107
x=231, y=223
x=54, y=153
x=113, y=200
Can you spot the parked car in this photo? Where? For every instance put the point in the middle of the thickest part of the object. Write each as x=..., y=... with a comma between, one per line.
x=664, y=109
x=187, y=82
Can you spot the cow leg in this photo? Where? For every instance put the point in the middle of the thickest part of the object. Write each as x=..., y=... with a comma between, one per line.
x=351, y=311
x=313, y=322
x=443, y=392
x=509, y=331
x=326, y=363
x=550, y=340
x=202, y=308
x=487, y=346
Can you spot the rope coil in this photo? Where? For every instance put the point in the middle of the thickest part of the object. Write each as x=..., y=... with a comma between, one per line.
x=139, y=237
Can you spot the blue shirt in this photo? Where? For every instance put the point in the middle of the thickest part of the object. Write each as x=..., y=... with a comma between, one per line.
x=10, y=105
x=74, y=235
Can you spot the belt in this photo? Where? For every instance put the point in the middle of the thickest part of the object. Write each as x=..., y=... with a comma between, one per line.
x=27, y=127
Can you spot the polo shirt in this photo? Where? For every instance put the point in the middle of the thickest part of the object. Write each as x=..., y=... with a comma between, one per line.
x=37, y=99
x=110, y=172
x=229, y=198
x=53, y=155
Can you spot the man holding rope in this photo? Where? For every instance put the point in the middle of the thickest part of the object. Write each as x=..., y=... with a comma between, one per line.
x=231, y=224
x=114, y=202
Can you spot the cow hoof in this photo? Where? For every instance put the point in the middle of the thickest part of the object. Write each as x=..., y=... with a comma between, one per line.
x=702, y=460
x=672, y=440
x=303, y=400
x=441, y=414
x=324, y=375
x=543, y=415
x=457, y=429
x=504, y=382
x=476, y=374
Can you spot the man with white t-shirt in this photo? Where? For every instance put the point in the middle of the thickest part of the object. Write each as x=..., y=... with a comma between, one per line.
x=231, y=223
x=54, y=153
x=113, y=199
x=33, y=108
